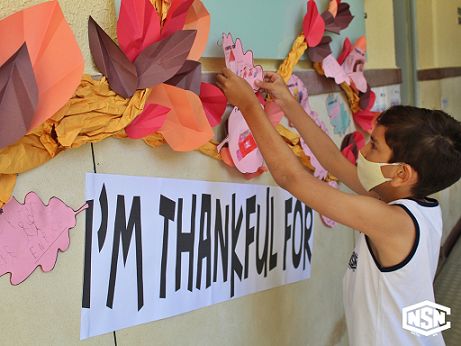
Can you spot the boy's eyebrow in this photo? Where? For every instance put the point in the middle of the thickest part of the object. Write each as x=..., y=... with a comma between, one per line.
x=373, y=139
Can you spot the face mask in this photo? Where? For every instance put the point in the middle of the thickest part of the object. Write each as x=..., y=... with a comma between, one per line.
x=370, y=174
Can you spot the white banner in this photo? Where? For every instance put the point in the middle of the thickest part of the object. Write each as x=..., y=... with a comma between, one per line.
x=160, y=247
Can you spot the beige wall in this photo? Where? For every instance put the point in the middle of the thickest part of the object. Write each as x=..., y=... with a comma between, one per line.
x=380, y=34
x=439, y=33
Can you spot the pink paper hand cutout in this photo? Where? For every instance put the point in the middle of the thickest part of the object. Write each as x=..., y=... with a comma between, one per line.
x=240, y=63
x=32, y=233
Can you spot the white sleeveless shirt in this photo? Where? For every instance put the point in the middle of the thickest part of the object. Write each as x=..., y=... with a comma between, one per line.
x=374, y=296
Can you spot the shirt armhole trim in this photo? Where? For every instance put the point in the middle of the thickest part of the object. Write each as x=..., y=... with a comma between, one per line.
x=410, y=255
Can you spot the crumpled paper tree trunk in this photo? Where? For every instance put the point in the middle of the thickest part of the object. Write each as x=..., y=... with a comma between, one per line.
x=93, y=113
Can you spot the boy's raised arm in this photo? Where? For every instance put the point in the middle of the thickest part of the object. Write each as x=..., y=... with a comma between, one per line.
x=324, y=149
x=384, y=224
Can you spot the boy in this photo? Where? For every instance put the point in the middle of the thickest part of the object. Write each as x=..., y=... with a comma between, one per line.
x=412, y=153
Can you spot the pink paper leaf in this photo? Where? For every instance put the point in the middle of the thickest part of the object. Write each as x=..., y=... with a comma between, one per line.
x=138, y=27
x=149, y=121
x=319, y=171
x=240, y=63
x=242, y=147
x=32, y=233
x=214, y=103
x=313, y=25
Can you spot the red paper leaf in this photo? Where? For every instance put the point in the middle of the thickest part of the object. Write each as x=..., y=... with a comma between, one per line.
x=214, y=103
x=346, y=49
x=149, y=121
x=313, y=25
x=18, y=97
x=111, y=61
x=32, y=233
x=162, y=60
x=138, y=27
x=176, y=17
x=366, y=117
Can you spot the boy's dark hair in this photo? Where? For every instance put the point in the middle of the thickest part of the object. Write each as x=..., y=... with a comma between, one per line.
x=427, y=140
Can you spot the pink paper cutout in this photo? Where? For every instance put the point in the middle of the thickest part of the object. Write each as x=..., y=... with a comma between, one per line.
x=32, y=233
x=214, y=103
x=149, y=121
x=240, y=63
x=329, y=222
x=319, y=172
x=299, y=91
x=243, y=150
x=137, y=27
x=354, y=65
x=332, y=69
x=313, y=25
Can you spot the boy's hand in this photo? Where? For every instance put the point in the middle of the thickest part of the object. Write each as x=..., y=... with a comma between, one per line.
x=275, y=86
x=236, y=89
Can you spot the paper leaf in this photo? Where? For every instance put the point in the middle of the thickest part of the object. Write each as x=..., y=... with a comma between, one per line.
x=351, y=145
x=366, y=118
x=54, y=52
x=354, y=66
x=162, y=60
x=333, y=7
x=346, y=49
x=198, y=19
x=343, y=16
x=32, y=233
x=330, y=24
x=189, y=77
x=138, y=27
x=242, y=147
x=299, y=92
x=214, y=103
x=111, y=61
x=176, y=17
x=337, y=113
x=319, y=171
x=240, y=63
x=365, y=98
x=149, y=121
x=333, y=70
x=321, y=51
x=313, y=25
x=18, y=97
x=186, y=126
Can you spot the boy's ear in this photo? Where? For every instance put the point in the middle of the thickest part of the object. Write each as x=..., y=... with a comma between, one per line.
x=405, y=175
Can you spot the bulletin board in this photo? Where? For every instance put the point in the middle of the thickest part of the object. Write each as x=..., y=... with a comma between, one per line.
x=269, y=27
